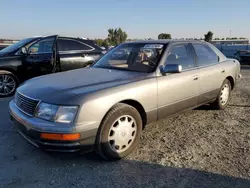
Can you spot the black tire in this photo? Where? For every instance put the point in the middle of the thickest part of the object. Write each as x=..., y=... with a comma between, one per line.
x=103, y=146
x=217, y=104
x=12, y=76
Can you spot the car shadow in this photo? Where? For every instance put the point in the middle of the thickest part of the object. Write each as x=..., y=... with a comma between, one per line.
x=245, y=67
x=204, y=107
x=132, y=173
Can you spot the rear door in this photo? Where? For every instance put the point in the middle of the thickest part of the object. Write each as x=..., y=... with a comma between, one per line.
x=178, y=91
x=212, y=72
x=40, y=58
x=76, y=53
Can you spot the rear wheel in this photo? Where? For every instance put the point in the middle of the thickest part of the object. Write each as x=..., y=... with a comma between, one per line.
x=222, y=99
x=8, y=84
x=119, y=132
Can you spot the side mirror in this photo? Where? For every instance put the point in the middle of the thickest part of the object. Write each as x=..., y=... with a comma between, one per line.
x=171, y=68
x=24, y=51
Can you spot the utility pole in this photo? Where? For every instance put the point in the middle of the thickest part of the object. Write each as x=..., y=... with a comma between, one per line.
x=230, y=34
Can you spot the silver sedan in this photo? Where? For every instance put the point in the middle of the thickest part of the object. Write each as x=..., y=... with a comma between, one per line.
x=105, y=107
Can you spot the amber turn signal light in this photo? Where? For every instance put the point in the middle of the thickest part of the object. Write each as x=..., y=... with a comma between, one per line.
x=61, y=137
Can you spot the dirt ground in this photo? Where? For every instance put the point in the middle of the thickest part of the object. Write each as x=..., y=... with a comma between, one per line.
x=198, y=148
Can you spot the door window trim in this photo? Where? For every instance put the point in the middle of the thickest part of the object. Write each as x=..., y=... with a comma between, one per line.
x=196, y=56
x=66, y=51
x=36, y=41
x=188, y=44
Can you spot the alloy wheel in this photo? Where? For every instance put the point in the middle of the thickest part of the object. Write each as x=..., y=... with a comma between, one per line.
x=7, y=85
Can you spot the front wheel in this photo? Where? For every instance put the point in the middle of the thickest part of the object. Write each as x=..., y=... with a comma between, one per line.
x=223, y=97
x=119, y=132
x=8, y=84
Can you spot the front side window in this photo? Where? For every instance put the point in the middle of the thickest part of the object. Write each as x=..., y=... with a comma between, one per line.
x=18, y=45
x=181, y=55
x=42, y=46
x=205, y=55
x=139, y=57
x=72, y=45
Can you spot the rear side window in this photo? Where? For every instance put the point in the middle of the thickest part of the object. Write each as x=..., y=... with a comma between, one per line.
x=72, y=45
x=205, y=55
x=182, y=55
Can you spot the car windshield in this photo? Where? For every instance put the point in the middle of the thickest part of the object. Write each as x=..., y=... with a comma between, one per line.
x=139, y=57
x=17, y=45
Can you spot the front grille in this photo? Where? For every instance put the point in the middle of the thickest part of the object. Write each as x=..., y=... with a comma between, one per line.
x=26, y=104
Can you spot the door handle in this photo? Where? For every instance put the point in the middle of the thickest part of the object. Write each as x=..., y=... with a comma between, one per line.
x=195, y=77
x=223, y=70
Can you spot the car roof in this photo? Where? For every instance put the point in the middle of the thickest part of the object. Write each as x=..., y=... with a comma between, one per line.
x=61, y=36
x=70, y=37
x=166, y=41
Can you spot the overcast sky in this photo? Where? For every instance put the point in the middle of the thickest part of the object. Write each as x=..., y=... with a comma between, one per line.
x=139, y=18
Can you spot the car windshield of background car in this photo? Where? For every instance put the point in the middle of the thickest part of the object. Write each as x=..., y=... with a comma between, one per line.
x=17, y=45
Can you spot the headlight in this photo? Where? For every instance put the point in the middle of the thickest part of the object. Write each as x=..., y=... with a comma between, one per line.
x=50, y=112
x=66, y=114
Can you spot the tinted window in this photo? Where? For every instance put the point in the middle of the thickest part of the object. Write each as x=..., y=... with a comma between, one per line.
x=68, y=45
x=205, y=55
x=181, y=54
x=43, y=46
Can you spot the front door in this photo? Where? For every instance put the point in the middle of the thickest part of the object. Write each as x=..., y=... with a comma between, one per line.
x=178, y=91
x=74, y=53
x=41, y=57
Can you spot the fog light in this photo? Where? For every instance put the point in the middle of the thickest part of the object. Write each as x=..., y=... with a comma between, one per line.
x=62, y=137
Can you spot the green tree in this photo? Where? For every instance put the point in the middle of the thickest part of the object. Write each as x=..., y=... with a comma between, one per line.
x=209, y=36
x=99, y=42
x=105, y=43
x=217, y=39
x=116, y=36
x=164, y=36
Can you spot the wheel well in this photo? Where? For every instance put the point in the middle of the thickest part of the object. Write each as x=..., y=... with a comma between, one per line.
x=11, y=71
x=138, y=107
x=230, y=78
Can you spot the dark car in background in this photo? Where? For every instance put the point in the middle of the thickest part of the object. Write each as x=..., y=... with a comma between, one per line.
x=38, y=56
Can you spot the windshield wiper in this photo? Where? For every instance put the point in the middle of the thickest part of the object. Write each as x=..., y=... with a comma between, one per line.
x=109, y=67
x=119, y=68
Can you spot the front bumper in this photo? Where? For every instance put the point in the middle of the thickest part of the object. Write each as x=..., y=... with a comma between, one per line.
x=31, y=128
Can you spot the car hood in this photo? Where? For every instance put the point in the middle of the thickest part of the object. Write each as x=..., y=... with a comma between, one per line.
x=2, y=54
x=63, y=87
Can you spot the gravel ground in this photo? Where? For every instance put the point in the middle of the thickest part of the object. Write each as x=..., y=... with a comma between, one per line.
x=198, y=148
